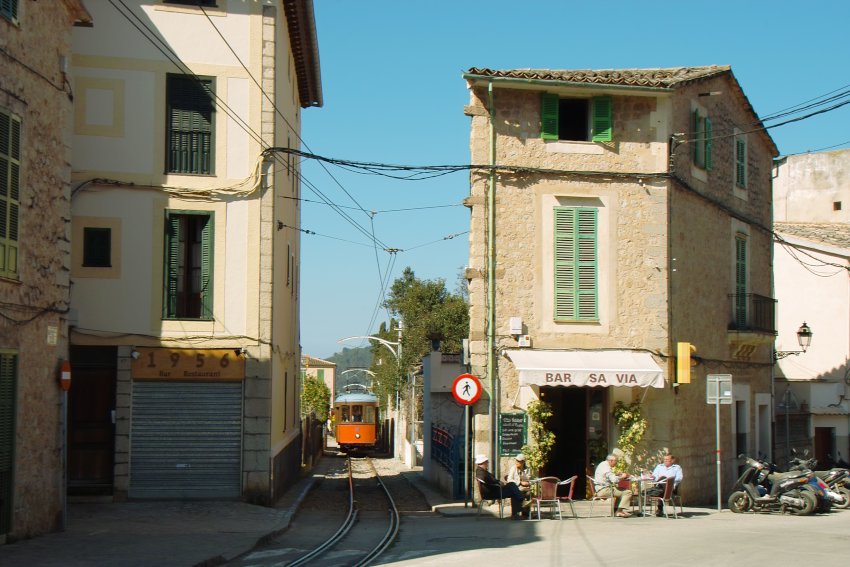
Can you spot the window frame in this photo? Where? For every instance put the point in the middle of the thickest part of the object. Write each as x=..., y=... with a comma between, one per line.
x=171, y=268
x=702, y=140
x=201, y=120
x=600, y=119
x=741, y=286
x=90, y=256
x=11, y=157
x=9, y=10
x=576, y=264
x=741, y=173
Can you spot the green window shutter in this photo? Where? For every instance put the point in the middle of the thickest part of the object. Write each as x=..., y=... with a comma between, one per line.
x=697, y=138
x=172, y=265
x=603, y=124
x=190, y=126
x=320, y=373
x=9, y=9
x=576, y=270
x=709, y=144
x=207, y=269
x=549, y=116
x=10, y=174
x=741, y=162
x=741, y=281
x=8, y=371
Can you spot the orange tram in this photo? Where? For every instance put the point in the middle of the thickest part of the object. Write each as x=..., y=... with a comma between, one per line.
x=357, y=418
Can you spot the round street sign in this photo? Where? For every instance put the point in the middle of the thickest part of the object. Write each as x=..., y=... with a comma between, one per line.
x=466, y=389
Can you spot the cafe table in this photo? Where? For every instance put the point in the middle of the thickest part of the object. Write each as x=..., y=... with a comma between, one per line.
x=644, y=483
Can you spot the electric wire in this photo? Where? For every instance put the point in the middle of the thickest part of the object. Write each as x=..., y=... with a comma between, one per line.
x=184, y=69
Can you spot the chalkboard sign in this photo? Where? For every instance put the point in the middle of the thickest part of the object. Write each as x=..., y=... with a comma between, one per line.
x=512, y=433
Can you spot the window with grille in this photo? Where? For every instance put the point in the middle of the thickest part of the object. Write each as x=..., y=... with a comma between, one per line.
x=97, y=247
x=9, y=9
x=189, y=128
x=188, y=266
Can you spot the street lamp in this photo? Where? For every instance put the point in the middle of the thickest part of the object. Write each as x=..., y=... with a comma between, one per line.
x=804, y=338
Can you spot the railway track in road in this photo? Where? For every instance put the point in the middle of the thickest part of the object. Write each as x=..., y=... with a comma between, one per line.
x=348, y=527
x=349, y=518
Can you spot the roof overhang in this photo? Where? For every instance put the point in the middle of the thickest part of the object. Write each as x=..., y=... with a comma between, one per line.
x=475, y=80
x=598, y=368
x=304, y=43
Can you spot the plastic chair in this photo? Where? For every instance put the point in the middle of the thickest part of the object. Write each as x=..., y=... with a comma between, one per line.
x=547, y=495
x=571, y=482
x=594, y=495
x=491, y=493
x=666, y=499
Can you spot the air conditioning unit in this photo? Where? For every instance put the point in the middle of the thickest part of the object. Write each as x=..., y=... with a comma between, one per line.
x=524, y=340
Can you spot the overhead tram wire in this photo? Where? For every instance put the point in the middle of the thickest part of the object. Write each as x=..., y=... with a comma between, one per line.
x=279, y=113
x=185, y=70
x=297, y=134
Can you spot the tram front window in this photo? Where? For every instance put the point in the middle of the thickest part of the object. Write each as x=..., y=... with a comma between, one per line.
x=345, y=413
x=370, y=414
x=356, y=413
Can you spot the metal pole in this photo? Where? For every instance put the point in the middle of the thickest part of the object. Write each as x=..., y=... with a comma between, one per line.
x=717, y=436
x=465, y=455
x=64, y=494
x=787, y=423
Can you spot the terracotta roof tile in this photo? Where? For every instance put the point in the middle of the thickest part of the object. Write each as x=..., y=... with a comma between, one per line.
x=657, y=78
x=830, y=233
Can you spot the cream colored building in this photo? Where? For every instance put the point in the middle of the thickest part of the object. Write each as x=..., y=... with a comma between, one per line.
x=628, y=211
x=35, y=119
x=322, y=369
x=186, y=250
x=812, y=273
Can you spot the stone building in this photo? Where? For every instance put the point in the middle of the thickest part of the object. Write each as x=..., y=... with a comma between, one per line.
x=35, y=114
x=186, y=249
x=614, y=215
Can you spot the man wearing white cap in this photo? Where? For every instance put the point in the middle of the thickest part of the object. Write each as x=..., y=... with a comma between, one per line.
x=489, y=484
x=519, y=474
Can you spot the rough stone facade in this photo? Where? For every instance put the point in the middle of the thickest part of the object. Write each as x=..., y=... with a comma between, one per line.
x=666, y=254
x=33, y=326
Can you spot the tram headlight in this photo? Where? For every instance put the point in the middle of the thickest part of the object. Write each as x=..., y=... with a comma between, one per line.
x=357, y=436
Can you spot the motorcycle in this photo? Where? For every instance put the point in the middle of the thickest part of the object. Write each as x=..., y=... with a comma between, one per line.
x=830, y=482
x=761, y=489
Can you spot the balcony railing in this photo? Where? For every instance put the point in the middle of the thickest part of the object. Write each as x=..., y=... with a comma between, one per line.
x=752, y=312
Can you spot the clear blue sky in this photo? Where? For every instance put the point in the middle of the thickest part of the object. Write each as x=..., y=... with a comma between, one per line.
x=393, y=93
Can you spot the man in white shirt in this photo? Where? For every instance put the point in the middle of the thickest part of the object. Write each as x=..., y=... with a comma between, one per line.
x=667, y=471
x=606, y=481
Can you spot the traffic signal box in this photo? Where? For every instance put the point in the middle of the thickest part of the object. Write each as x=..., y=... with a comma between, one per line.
x=683, y=362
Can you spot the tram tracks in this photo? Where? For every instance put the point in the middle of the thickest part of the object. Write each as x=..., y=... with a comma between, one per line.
x=330, y=531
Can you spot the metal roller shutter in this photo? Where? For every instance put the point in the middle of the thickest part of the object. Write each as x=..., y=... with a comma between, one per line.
x=186, y=440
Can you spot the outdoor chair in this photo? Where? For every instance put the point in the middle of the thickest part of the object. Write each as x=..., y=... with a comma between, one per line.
x=594, y=494
x=666, y=499
x=571, y=483
x=547, y=495
x=677, y=496
x=490, y=493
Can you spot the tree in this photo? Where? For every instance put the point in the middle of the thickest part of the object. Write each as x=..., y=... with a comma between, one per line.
x=430, y=313
x=315, y=397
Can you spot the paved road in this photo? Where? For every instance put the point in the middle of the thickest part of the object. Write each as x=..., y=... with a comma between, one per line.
x=702, y=537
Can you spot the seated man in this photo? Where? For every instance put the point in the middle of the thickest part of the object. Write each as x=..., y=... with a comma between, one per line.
x=509, y=490
x=606, y=480
x=518, y=475
x=667, y=471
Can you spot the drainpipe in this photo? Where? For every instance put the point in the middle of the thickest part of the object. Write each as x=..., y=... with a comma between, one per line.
x=491, y=291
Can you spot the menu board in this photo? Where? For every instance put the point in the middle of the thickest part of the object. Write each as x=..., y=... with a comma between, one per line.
x=513, y=429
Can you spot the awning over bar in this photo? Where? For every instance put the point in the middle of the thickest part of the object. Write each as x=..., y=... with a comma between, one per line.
x=587, y=368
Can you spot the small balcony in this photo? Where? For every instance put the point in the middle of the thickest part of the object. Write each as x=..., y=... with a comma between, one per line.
x=752, y=324
x=750, y=312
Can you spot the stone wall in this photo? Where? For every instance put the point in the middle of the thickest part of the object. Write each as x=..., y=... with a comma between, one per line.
x=33, y=325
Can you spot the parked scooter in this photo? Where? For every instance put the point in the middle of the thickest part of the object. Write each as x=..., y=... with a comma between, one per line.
x=787, y=492
x=831, y=482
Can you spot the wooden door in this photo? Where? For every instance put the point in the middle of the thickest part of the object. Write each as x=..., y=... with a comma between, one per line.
x=91, y=429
